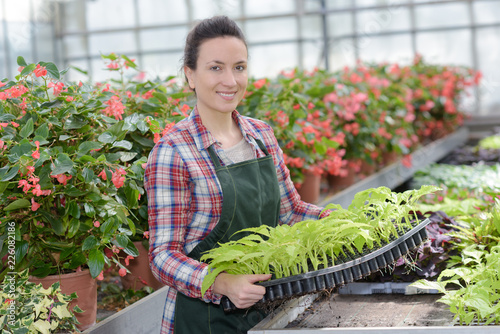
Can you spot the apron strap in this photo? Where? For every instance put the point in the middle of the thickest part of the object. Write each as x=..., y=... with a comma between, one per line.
x=215, y=157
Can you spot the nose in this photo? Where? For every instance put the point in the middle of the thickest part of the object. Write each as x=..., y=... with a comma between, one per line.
x=229, y=79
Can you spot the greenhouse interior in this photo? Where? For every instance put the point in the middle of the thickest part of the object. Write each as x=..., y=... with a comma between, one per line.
x=136, y=177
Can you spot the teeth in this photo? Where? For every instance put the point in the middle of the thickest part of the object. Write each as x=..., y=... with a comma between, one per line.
x=226, y=95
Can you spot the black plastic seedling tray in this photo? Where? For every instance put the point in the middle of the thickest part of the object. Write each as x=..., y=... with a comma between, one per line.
x=340, y=274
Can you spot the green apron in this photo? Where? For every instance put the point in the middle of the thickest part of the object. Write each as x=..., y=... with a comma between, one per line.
x=251, y=197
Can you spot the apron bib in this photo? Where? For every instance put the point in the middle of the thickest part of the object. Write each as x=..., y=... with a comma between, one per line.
x=251, y=197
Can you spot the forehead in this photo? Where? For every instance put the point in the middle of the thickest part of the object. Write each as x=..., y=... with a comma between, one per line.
x=223, y=49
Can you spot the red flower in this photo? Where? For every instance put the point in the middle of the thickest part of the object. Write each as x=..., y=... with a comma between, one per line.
x=117, y=178
x=102, y=175
x=115, y=107
x=34, y=205
x=122, y=272
x=146, y=234
x=127, y=259
x=36, y=154
x=62, y=178
x=57, y=87
x=259, y=83
x=40, y=71
x=97, y=224
x=100, y=277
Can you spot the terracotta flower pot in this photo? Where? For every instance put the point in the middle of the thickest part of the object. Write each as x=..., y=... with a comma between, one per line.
x=310, y=189
x=139, y=271
x=86, y=289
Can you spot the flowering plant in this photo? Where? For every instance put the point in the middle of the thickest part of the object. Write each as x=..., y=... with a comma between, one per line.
x=72, y=164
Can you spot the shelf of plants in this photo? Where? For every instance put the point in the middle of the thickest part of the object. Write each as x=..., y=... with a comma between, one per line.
x=396, y=174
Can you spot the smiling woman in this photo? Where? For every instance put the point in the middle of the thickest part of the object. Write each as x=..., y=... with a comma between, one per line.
x=211, y=175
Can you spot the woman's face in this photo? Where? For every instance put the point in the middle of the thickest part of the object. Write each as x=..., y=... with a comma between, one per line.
x=220, y=78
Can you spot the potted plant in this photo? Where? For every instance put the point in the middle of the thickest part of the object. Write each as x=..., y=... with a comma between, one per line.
x=26, y=306
x=71, y=170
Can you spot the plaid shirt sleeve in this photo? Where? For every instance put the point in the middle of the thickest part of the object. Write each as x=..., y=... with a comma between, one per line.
x=169, y=207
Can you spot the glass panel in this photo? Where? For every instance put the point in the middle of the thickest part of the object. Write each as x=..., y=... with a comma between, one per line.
x=488, y=51
x=372, y=3
x=3, y=65
x=17, y=11
x=162, y=65
x=340, y=24
x=161, y=39
x=19, y=39
x=313, y=55
x=120, y=42
x=105, y=14
x=75, y=46
x=342, y=54
x=266, y=7
x=312, y=5
x=270, y=60
x=441, y=15
x=338, y=4
x=392, y=49
x=447, y=47
x=281, y=28
x=155, y=12
x=44, y=39
x=74, y=75
x=486, y=11
x=383, y=20
x=72, y=18
x=203, y=9
x=312, y=27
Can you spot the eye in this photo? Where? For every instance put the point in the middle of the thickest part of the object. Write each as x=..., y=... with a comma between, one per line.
x=240, y=68
x=215, y=68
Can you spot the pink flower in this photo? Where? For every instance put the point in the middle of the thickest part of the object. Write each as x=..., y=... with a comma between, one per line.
x=406, y=161
x=2, y=143
x=26, y=186
x=40, y=71
x=146, y=234
x=20, y=69
x=115, y=107
x=259, y=83
x=117, y=177
x=69, y=98
x=97, y=224
x=122, y=272
x=62, y=178
x=34, y=205
x=127, y=259
x=36, y=154
x=57, y=87
x=100, y=277
x=14, y=124
x=102, y=175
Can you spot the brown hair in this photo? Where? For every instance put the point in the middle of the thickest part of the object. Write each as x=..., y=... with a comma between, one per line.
x=217, y=26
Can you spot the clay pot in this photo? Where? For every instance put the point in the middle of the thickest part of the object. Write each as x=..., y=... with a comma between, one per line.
x=139, y=270
x=337, y=182
x=389, y=157
x=86, y=289
x=310, y=189
x=367, y=168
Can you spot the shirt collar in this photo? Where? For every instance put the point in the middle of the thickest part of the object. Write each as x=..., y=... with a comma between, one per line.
x=204, y=138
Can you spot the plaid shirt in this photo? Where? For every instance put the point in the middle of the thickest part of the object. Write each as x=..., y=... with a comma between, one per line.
x=185, y=201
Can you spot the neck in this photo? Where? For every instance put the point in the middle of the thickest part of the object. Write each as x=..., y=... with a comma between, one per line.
x=222, y=127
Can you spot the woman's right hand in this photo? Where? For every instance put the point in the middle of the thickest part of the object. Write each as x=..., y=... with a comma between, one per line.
x=240, y=289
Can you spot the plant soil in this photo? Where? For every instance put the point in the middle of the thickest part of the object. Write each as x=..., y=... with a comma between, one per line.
x=331, y=311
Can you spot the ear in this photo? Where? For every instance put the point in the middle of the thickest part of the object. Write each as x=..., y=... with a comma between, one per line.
x=189, y=73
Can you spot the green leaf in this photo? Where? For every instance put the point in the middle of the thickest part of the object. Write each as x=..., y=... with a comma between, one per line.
x=88, y=175
x=123, y=144
x=89, y=209
x=122, y=240
x=21, y=61
x=96, y=262
x=52, y=69
x=87, y=146
x=62, y=164
x=75, y=122
x=74, y=226
x=3, y=186
x=18, y=204
x=127, y=156
x=27, y=129
x=73, y=209
x=11, y=174
x=89, y=243
x=130, y=249
x=107, y=138
x=42, y=131
x=21, y=250
x=28, y=69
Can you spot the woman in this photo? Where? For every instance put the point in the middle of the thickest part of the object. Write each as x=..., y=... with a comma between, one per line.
x=214, y=173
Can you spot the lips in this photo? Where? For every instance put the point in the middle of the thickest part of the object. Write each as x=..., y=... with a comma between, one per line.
x=227, y=95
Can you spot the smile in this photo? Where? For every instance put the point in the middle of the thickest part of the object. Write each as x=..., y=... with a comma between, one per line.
x=226, y=94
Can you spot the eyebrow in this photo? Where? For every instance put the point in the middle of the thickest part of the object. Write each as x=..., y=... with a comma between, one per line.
x=222, y=63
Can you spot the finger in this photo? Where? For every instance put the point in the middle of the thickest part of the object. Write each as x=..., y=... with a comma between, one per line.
x=258, y=277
